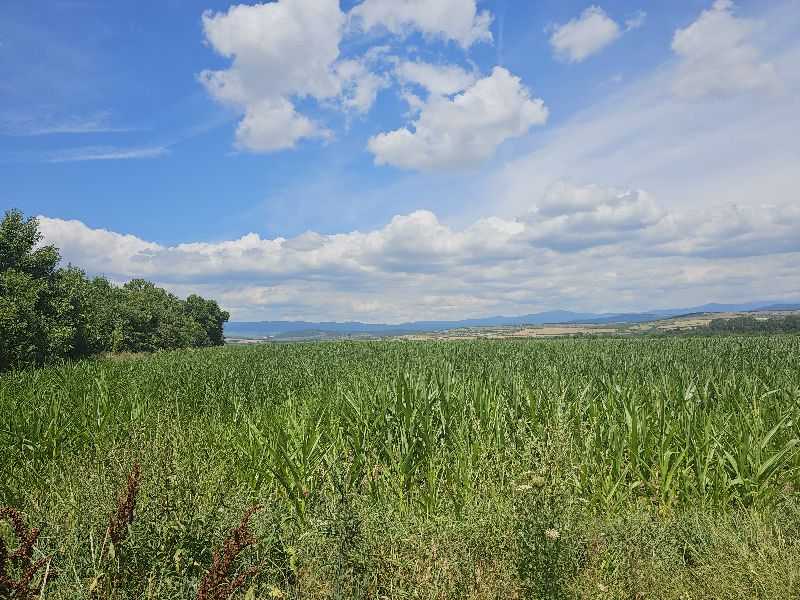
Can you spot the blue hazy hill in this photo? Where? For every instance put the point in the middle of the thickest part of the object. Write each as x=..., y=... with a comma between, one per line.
x=264, y=329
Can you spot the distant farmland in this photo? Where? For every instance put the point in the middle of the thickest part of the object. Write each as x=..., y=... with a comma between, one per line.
x=644, y=467
x=550, y=324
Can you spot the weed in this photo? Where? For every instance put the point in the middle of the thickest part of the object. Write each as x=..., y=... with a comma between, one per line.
x=121, y=519
x=20, y=562
x=219, y=583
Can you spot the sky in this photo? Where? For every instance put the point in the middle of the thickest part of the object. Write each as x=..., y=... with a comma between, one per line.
x=393, y=160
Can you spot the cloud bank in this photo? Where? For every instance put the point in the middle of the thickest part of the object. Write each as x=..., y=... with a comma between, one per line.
x=578, y=246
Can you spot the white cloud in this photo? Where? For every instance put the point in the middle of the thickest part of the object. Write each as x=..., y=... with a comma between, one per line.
x=571, y=217
x=283, y=47
x=274, y=124
x=728, y=230
x=24, y=124
x=360, y=86
x=441, y=80
x=580, y=247
x=718, y=56
x=463, y=130
x=718, y=150
x=281, y=51
x=635, y=21
x=86, y=153
x=99, y=250
x=457, y=20
x=585, y=35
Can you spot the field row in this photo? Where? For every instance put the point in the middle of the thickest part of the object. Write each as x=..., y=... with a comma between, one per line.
x=528, y=452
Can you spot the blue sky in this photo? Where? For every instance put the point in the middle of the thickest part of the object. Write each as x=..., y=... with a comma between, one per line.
x=389, y=160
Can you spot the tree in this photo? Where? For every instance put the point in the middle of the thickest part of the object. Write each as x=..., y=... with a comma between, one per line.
x=18, y=252
x=145, y=320
x=47, y=313
x=210, y=317
x=27, y=278
x=20, y=327
x=103, y=325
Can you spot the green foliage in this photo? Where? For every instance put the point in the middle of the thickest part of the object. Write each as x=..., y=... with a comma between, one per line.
x=210, y=317
x=547, y=513
x=31, y=309
x=771, y=325
x=149, y=318
x=573, y=468
x=18, y=240
x=48, y=314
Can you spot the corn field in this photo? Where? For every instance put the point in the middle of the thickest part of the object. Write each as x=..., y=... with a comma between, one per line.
x=619, y=468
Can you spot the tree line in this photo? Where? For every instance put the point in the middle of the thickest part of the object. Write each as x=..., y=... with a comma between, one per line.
x=49, y=313
x=746, y=324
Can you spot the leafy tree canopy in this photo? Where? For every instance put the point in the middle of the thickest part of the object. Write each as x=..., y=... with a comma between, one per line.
x=49, y=313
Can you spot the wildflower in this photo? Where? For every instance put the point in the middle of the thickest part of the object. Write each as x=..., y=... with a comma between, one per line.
x=524, y=487
x=552, y=534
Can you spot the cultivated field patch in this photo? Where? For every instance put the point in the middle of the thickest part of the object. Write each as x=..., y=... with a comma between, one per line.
x=555, y=468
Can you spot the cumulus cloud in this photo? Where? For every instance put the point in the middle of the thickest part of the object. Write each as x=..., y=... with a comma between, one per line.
x=360, y=86
x=282, y=47
x=99, y=250
x=463, y=130
x=442, y=80
x=457, y=20
x=718, y=55
x=274, y=124
x=281, y=51
x=728, y=230
x=578, y=246
x=571, y=217
x=579, y=38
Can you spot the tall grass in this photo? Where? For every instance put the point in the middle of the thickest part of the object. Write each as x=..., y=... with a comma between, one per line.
x=355, y=449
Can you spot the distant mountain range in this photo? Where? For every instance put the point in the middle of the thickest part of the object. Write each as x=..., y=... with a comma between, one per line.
x=326, y=329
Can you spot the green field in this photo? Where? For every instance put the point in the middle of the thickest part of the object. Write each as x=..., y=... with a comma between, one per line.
x=563, y=468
